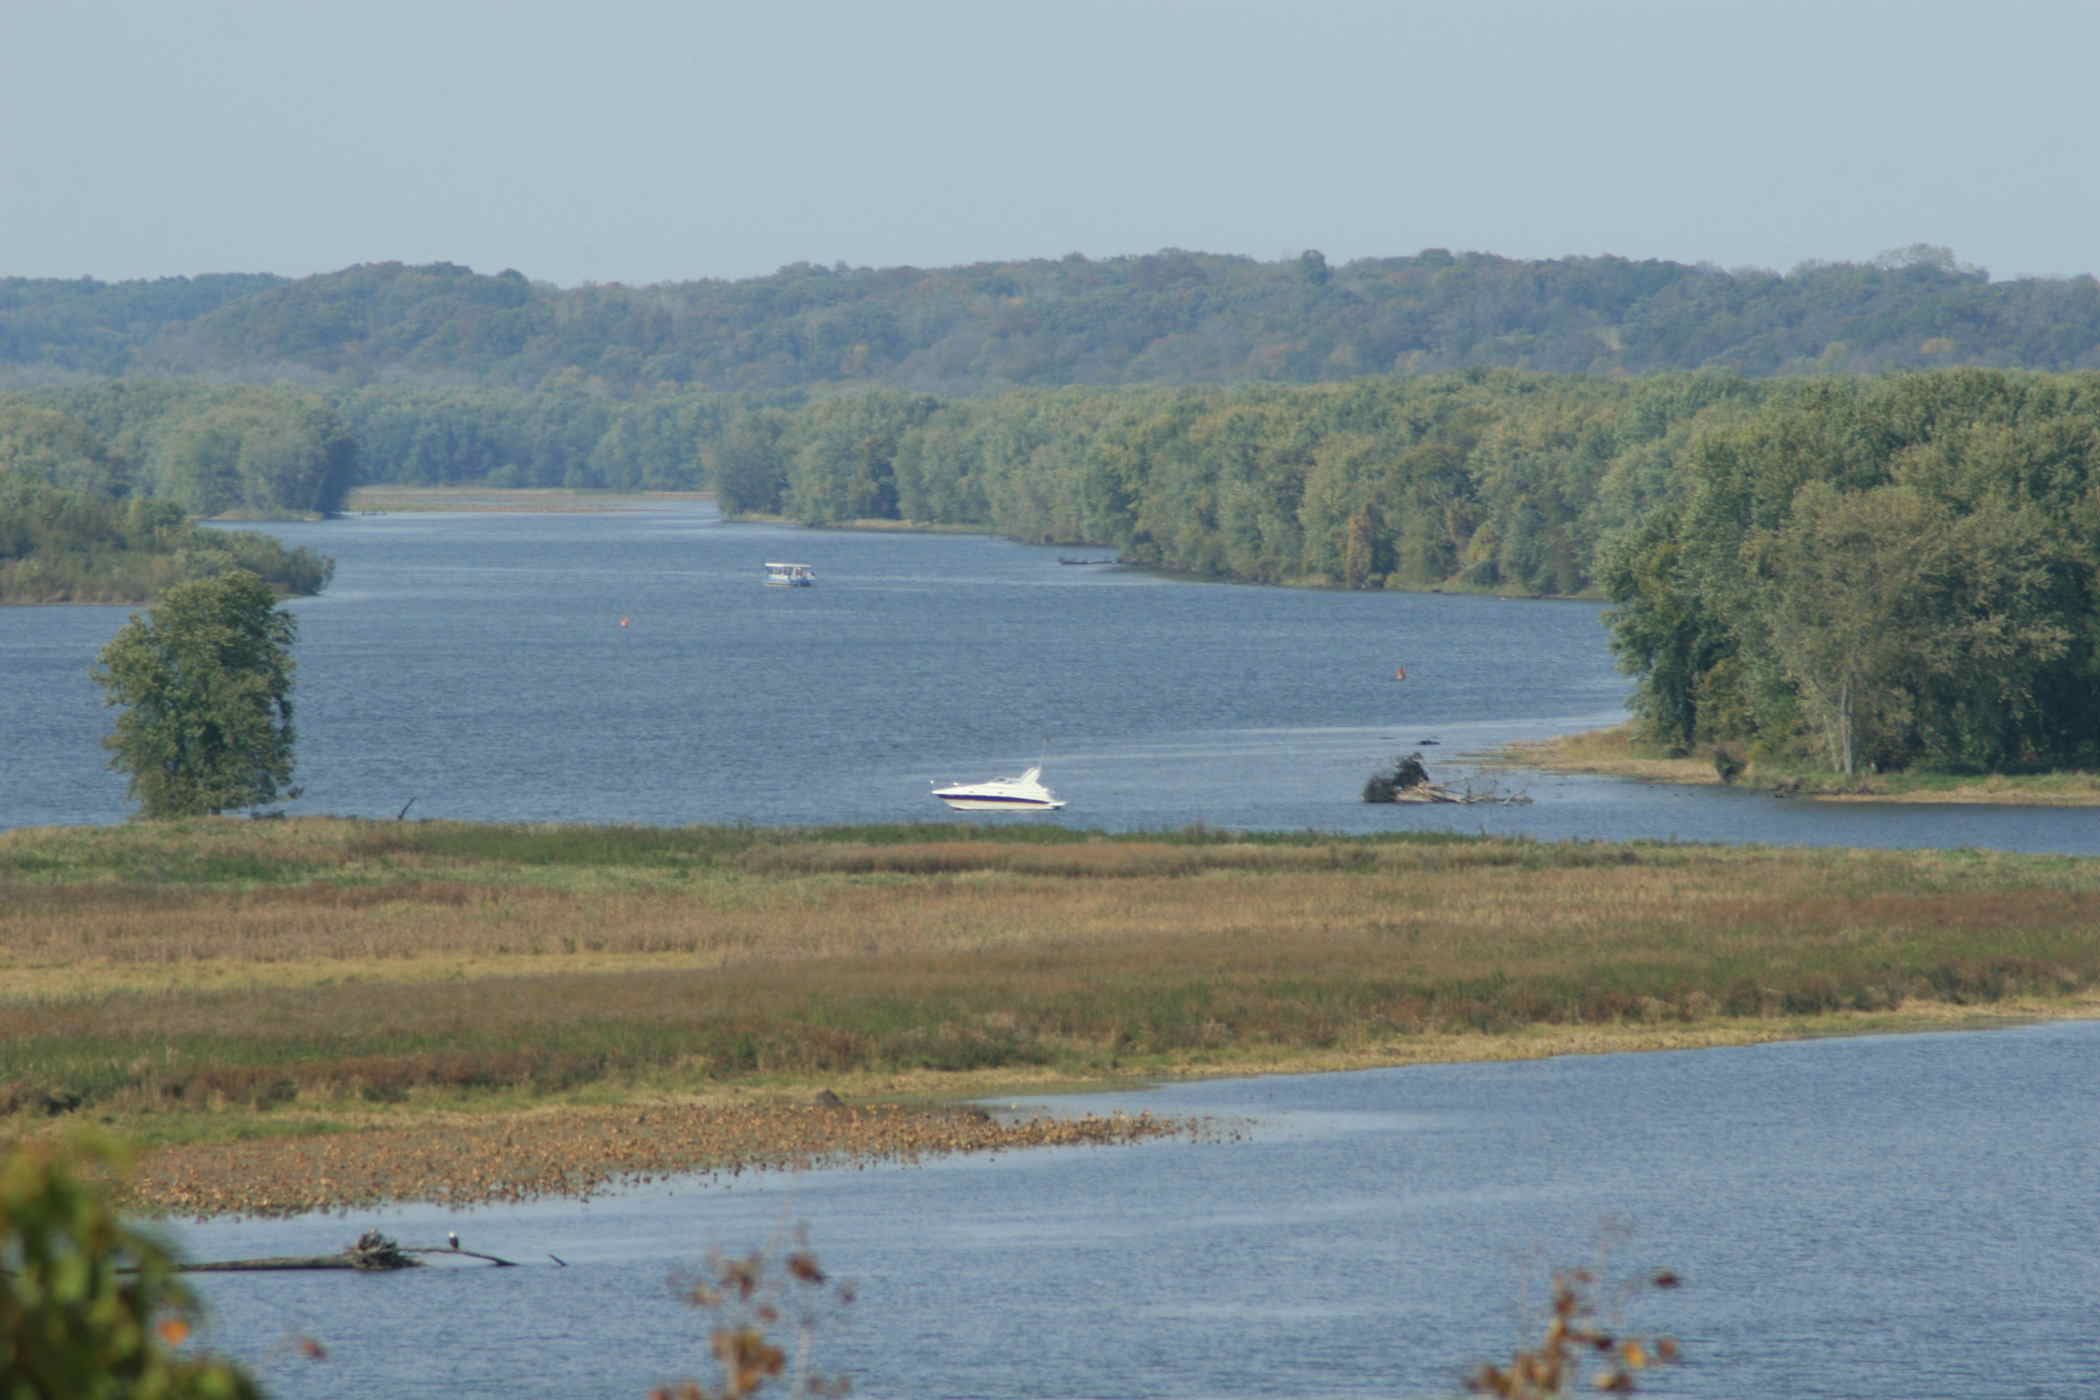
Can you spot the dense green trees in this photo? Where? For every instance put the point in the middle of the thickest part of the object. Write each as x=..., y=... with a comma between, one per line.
x=82, y=326
x=265, y=452
x=1494, y=480
x=39, y=443
x=206, y=679
x=97, y=486
x=215, y=450
x=1868, y=573
x=1880, y=573
x=1168, y=317
x=59, y=546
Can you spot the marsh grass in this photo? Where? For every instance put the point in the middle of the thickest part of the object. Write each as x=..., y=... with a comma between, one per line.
x=533, y=500
x=314, y=966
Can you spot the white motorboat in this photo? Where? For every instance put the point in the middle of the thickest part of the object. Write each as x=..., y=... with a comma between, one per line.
x=1023, y=794
x=790, y=575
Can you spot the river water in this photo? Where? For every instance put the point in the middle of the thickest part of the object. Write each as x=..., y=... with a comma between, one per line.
x=476, y=666
x=1877, y=1219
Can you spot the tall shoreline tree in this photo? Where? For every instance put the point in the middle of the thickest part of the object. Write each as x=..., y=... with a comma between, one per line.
x=206, y=679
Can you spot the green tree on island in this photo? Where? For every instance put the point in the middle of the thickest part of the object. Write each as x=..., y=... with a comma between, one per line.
x=207, y=678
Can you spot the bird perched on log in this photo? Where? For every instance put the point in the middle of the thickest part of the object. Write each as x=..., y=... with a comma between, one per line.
x=452, y=1238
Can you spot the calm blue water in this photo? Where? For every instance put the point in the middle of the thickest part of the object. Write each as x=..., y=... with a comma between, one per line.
x=1884, y=1219
x=473, y=666
x=1876, y=1219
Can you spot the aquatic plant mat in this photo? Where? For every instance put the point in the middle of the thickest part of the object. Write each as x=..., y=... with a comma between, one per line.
x=307, y=1013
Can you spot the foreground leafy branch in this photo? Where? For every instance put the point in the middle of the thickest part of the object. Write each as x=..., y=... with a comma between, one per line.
x=90, y=1308
x=1577, y=1346
x=749, y=1297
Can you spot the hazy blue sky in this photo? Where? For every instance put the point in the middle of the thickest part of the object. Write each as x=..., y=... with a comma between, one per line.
x=663, y=140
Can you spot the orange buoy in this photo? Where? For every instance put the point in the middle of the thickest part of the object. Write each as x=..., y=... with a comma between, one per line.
x=623, y=622
x=1401, y=674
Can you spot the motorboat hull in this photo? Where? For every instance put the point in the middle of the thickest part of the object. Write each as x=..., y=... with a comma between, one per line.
x=1023, y=794
x=981, y=802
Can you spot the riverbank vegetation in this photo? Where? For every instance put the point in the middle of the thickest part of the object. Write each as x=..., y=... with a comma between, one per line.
x=306, y=999
x=62, y=546
x=1624, y=752
x=1888, y=575
x=214, y=449
x=1809, y=569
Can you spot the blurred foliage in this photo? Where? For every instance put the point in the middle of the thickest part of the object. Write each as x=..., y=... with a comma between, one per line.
x=1579, y=1351
x=90, y=1308
x=750, y=1299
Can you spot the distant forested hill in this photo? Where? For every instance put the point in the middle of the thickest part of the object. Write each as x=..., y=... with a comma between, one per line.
x=58, y=328
x=1171, y=317
x=1850, y=514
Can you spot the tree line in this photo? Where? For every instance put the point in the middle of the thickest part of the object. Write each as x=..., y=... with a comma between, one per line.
x=1876, y=571
x=1861, y=572
x=1170, y=317
x=1485, y=480
x=259, y=450
x=1481, y=479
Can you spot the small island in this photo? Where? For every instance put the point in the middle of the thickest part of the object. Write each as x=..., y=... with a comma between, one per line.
x=69, y=547
x=102, y=488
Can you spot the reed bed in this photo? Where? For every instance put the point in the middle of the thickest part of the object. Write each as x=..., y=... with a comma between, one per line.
x=215, y=978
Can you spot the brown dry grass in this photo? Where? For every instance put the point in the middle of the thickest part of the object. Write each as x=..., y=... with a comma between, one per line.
x=1616, y=753
x=524, y=500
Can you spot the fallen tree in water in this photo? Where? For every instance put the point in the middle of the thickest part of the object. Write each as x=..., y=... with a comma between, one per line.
x=372, y=1253
x=1408, y=781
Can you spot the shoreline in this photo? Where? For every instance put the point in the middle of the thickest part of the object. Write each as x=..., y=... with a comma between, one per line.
x=1617, y=753
x=326, y=1013
x=464, y=1159
x=516, y=500
x=383, y=499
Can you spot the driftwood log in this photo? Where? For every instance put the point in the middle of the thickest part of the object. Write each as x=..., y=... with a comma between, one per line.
x=1427, y=792
x=373, y=1252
